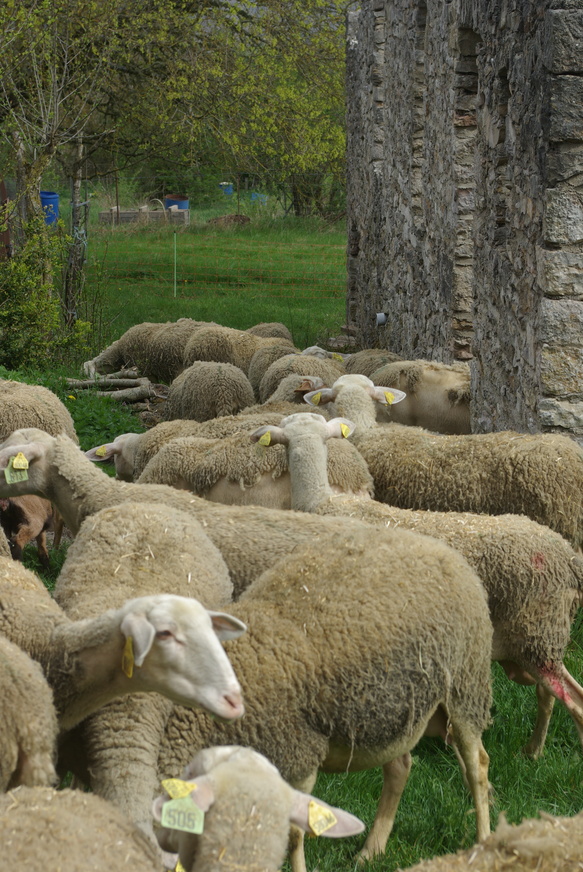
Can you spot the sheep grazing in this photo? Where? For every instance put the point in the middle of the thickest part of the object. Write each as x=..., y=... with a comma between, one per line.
x=68, y=830
x=288, y=397
x=235, y=472
x=28, y=721
x=538, y=475
x=26, y=518
x=262, y=360
x=226, y=345
x=438, y=395
x=89, y=662
x=270, y=330
x=208, y=389
x=23, y=405
x=548, y=844
x=533, y=578
x=368, y=360
x=298, y=364
x=248, y=809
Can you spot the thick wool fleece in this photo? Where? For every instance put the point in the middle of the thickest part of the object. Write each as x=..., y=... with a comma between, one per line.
x=69, y=830
x=133, y=550
x=262, y=360
x=407, y=375
x=368, y=360
x=226, y=345
x=271, y=330
x=23, y=405
x=28, y=721
x=299, y=364
x=207, y=389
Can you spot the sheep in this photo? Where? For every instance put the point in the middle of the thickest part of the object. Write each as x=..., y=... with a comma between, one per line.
x=299, y=364
x=438, y=395
x=548, y=844
x=538, y=475
x=28, y=731
x=67, y=830
x=326, y=685
x=124, y=352
x=288, y=397
x=236, y=472
x=533, y=578
x=368, y=360
x=26, y=518
x=4, y=546
x=262, y=360
x=139, y=647
x=207, y=389
x=24, y=405
x=247, y=809
x=271, y=330
x=226, y=345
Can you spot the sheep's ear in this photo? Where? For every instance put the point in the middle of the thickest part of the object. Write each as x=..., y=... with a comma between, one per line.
x=137, y=627
x=387, y=396
x=31, y=450
x=320, y=819
x=310, y=383
x=269, y=435
x=102, y=453
x=340, y=428
x=319, y=397
x=226, y=626
x=204, y=794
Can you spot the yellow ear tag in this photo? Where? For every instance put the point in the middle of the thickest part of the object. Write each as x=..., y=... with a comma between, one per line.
x=20, y=461
x=127, y=660
x=315, y=400
x=345, y=430
x=178, y=789
x=101, y=452
x=336, y=356
x=179, y=867
x=13, y=475
x=320, y=818
x=265, y=439
x=389, y=397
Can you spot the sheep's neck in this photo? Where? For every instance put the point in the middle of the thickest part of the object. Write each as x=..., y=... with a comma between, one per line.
x=355, y=404
x=308, y=467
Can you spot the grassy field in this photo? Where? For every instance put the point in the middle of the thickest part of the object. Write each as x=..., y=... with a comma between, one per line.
x=222, y=276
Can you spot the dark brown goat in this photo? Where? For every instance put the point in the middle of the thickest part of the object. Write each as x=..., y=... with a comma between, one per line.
x=26, y=518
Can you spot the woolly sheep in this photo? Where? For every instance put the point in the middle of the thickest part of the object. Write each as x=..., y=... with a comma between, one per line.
x=270, y=330
x=299, y=364
x=4, y=546
x=548, y=844
x=24, y=405
x=248, y=808
x=67, y=830
x=368, y=360
x=26, y=518
x=235, y=472
x=307, y=661
x=124, y=352
x=28, y=721
x=533, y=578
x=90, y=662
x=225, y=345
x=538, y=475
x=262, y=360
x=288, y=397
x=207, y=389
x=438, y=395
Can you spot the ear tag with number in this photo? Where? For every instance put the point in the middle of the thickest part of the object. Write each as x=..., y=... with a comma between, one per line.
x=101, y=452
x=320, y=819
x=345, y=430
x=127, y=660
x=182, y=814
x=315, y=400
x=389, y=397
x=20, y=461
x=265, y=439
x=13, y=474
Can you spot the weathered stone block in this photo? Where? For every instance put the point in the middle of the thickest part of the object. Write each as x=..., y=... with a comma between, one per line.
x=560, y=273
x=561, y=323
x=563, y=40
x=566, y=102
x=562, y=372
x=563, y=217
x=561, y=413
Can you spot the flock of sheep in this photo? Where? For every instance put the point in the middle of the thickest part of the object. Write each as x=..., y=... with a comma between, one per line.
x=238, y=566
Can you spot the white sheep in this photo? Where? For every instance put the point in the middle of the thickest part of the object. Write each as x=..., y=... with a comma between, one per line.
x=28, y=721
x=262, y=360
x=243, y=809
x=68, y=831
x=208, y=389
x=271, y=330
x=438, y=395
x=298, y=364
x=24, y=405
x=226, y=345
x=532, y=576
x=538, y=475
x=366, y=361
x=139, y=647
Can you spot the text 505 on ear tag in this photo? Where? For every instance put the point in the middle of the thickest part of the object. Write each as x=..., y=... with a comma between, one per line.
x=182, y=814
x=13, y=474
x=320, y=818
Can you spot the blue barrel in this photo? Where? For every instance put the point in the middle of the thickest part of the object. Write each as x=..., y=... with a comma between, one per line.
x=180, y=200
x=49, y=201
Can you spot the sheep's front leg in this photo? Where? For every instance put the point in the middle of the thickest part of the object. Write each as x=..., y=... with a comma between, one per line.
x=395, y=775
x=545, y=704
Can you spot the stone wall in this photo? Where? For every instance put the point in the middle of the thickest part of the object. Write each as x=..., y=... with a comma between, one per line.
x=465, y=196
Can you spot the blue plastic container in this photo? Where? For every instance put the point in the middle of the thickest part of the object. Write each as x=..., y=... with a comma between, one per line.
x=227, y=188
x=49, y=201
x=180, y=200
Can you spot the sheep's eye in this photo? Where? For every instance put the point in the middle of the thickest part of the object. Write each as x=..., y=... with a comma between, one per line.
x=164, y=634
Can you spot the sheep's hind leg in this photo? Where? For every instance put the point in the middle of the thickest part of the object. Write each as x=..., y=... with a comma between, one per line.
x=545, y=705
x=476, y=760
x=560, y=683
x=395, y=775
x=296, y=851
